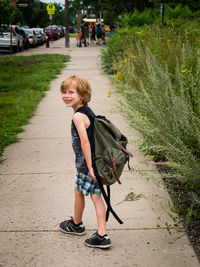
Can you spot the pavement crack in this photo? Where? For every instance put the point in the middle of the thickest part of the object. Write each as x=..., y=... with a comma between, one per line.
x=27, y=173
x=88, y=229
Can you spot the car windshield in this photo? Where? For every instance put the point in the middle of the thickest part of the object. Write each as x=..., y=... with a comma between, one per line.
x=51, y=29
x=28, y=31
x=5, y=29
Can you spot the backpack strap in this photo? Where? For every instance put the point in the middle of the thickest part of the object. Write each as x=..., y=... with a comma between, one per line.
x=108, y=194
x=106, y=197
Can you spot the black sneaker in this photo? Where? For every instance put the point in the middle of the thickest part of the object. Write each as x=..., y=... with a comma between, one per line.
x=68, y=227
x=95, y=241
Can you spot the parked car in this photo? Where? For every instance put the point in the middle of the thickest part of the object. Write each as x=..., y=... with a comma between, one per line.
x=26, y=43
x=39, y=36
x=62, y=29
x=17, y=39
x=25, y=26
x=52, y=32
x=32, y=38
x=72, y=29
x=41, y=31
x=43, y=34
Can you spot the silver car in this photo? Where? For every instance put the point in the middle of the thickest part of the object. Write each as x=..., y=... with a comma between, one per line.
x=33, y=40
x=5, y=38
x=42, y=33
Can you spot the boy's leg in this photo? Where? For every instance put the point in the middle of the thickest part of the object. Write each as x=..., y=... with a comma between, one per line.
x=75, y=226
x=100, y=213
x=79, y=205
x=99, y=239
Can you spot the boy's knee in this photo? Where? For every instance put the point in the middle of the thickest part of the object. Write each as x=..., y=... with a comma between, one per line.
x=78, y=193
x=95, y=197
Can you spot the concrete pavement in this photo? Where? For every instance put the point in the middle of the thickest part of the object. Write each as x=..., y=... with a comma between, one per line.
x=37, y=180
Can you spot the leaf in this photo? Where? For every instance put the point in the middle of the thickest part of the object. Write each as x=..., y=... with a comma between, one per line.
x=133, y=197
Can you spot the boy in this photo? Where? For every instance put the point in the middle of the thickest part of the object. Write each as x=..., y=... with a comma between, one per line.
x=76, y=93
x=79, y=39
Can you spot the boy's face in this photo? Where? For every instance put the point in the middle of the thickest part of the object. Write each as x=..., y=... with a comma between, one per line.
x=71, y=98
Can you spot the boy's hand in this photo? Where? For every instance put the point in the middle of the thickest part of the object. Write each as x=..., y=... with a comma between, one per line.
x=92, y=175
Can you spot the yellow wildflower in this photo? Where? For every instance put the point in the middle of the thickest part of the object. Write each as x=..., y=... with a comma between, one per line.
x=133, y=57
x=118, y=76
x=109, y=93
x=125, y=60
x=120, y=65
x=138, y=32
x=184, y=71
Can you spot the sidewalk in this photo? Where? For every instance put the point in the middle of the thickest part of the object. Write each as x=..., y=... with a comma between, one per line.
x=37, y=180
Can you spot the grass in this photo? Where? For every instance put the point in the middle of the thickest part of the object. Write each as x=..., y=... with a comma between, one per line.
x=23, y=82
x=73, y=35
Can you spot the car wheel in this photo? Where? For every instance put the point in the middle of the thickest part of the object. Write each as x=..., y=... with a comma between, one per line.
x=17, y=49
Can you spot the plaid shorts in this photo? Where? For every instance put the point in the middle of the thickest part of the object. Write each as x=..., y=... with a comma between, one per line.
x=86, y=185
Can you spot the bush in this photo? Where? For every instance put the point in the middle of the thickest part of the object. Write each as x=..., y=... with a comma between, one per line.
x=157, y=72
x=137, y=18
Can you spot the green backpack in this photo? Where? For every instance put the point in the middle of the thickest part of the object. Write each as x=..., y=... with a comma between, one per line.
x=109, y=157
x=110, y=154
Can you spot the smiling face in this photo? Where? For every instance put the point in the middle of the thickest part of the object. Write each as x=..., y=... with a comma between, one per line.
x=71, y=98
x=74, y=88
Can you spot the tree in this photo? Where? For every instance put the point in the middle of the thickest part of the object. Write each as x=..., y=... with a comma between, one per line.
x=34, y=14
x=8, y=12
x=109, y=9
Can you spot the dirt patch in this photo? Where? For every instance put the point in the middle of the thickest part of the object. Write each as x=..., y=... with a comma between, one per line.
x=4, y=93
x=182, y=203
x=28, y=63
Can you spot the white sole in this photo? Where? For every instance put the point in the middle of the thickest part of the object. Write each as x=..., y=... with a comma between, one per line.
x=72, y=233
x=98, y=246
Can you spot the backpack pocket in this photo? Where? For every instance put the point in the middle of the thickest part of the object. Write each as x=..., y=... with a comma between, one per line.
x=111, y=165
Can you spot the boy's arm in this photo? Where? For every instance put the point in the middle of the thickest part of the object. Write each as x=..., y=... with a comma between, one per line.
x=79, y=122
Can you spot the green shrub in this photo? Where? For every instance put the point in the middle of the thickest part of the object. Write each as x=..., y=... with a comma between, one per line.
x=157, y=72
x=137, y=18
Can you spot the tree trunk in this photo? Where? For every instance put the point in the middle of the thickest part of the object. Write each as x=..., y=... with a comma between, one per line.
x=78, y=19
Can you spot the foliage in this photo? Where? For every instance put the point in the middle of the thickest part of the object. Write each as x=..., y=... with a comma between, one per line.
x=157, y=71
x=35, y=14
x=19, y=95
x=7, y=11
x=148, y=16
x=110, y=9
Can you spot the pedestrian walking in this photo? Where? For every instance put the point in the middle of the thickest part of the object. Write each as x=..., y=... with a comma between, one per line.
x=86, y=29
x=76, y=93
x=79, y=38
x=103, y=34
x=93, y=33
x=83, y=33
x=99, y=34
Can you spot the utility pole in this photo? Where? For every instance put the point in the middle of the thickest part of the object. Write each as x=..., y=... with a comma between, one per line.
x=162, y=11
x=67, y=23
x=78, y=19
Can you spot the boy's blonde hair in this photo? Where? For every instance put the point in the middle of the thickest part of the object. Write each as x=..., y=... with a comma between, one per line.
x=82, y=86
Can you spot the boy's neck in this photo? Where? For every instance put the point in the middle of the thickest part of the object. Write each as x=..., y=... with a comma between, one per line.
x=77, y=107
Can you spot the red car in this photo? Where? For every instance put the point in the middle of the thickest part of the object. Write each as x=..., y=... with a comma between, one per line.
x=52, y=32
